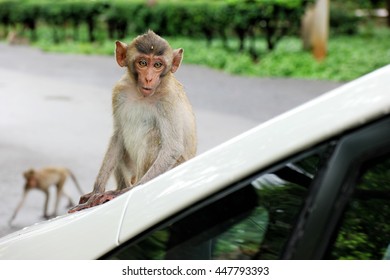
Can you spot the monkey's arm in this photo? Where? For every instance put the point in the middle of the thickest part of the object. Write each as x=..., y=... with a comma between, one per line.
x=167, y=158
x=171, y=151
x=110, y=161
x=174, y=123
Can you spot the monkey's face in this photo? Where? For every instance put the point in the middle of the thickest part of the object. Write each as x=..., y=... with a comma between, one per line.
x=31, y=180
x=149, y=70
x=149, y=59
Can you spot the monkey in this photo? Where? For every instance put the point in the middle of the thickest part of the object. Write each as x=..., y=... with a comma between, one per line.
x=154, y=124
x=41, y=180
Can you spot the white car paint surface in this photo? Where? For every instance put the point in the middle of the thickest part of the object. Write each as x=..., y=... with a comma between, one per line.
x=91, y=233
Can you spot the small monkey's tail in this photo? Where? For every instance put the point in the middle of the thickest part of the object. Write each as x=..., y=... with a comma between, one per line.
x=75, y=182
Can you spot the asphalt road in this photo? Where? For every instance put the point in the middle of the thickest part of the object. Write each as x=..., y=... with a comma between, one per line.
x=55, y=109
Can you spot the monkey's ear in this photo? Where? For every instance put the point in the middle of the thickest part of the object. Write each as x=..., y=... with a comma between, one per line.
x=120, y=53
x=28, y=173
x=177, y=58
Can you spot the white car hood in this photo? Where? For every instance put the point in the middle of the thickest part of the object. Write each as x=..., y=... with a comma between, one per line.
x=81, y=235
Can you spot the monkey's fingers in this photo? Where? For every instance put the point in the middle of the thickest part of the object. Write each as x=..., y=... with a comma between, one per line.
x=103, y=198
x=79, y=208
x=94, y=200
x=84, y=198
x=85, y=202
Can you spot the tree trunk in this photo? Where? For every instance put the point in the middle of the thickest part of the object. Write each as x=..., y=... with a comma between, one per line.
x=320, y=29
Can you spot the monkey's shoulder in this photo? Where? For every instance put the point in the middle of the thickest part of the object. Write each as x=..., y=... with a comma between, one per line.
x=125, y=84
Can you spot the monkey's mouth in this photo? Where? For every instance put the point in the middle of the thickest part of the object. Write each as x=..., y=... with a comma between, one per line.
x=146, y=91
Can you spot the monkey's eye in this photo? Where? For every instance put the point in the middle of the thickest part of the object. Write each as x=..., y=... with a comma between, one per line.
x=158, y=65
x=142, y=63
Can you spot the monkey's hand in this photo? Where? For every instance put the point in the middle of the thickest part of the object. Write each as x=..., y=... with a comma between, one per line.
x=94, y=199
x=84, y=198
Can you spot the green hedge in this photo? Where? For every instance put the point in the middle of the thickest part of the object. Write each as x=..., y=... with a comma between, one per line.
x=343, y=20
x=210, y=19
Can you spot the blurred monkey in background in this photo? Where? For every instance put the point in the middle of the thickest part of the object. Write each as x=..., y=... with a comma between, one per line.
x=42, y=180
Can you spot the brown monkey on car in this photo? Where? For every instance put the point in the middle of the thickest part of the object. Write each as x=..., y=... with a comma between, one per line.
x=154, y=125
x=41, y=180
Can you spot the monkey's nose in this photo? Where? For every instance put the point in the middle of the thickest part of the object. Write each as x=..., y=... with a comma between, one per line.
x=148, y=80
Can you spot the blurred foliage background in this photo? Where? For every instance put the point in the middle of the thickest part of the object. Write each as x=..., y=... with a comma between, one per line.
x=246, y=37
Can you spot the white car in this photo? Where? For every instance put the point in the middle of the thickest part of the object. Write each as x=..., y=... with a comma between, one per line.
x=313, y=183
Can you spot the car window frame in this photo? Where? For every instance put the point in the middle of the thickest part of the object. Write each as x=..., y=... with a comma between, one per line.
x=320, y=218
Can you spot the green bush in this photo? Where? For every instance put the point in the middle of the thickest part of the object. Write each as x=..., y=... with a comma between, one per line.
x=120, y=19
x=209, y=19
x=343, y=21
x=61, y=13
x=7, y=16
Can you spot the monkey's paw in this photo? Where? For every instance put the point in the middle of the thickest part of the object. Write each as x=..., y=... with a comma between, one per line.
x=94, y=200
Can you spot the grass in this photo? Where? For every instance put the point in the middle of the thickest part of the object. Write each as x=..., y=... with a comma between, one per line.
x=349, y=57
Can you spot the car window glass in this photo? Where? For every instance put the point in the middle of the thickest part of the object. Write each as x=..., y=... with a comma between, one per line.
x=253, y=219
x=365, y=229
